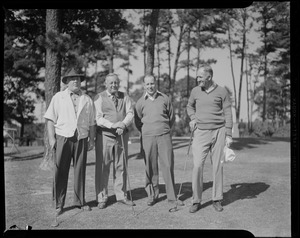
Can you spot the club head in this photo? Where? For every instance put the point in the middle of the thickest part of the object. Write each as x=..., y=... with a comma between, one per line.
x=173, y=209
x=55, y=223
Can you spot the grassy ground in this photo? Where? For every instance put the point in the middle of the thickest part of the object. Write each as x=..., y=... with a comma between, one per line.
x=256, y=193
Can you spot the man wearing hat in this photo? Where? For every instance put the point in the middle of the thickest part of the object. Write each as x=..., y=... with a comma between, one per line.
x=71, y=131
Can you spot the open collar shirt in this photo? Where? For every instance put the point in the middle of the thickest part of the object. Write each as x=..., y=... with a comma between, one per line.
x=62, y=111
x=152, y=98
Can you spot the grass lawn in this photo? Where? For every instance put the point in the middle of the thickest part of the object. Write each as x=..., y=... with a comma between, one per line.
x=256, y=193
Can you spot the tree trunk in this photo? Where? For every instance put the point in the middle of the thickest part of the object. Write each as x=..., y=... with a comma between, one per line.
x=176, y=61
x=86, y=81
x=188, y=64
x=128, y=70
x=247, y=91
x=53, y=69
x=198, y=48
x=110, y=56
x=232, y=72
x=145, y=43
x=151, y=41
x=96, y=77
x=169, y=56
x=158, y=65
x=241, y=76
x=265, y=86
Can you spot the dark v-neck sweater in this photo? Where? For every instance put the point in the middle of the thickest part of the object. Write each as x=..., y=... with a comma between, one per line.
x=210, y=110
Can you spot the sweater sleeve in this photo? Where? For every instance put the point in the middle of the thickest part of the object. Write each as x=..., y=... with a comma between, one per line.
x=170, y=112
x=190, y=108
x=228, y=115
x=138, y=116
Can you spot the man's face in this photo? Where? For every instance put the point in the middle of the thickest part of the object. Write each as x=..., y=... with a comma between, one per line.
x=150, y=85
x=74, y=83
x=112, y=84
x=203, y=78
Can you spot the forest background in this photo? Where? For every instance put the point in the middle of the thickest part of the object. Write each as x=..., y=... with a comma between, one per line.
x=248, y=48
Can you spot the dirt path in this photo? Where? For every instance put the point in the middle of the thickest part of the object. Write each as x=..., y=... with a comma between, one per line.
x=256, y=194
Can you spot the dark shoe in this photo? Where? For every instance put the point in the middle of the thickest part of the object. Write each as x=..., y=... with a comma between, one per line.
x=59, y=211
x=151, y=201
x=102, y=205
x=217, y=205
x=126, y=202
x=195, y=207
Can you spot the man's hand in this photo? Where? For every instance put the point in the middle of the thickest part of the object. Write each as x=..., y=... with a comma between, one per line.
x=119, y=124
x=91, y=144
x=120, y=131
x=192, y=125
x=228, y=141
x=52, y=143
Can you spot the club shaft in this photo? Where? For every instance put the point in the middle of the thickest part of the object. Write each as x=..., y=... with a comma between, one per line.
x=127, y=174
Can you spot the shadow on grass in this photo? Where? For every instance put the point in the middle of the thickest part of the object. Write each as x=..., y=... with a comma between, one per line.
x=185, y=193
x=250, y=143
x=240, y=191
x=238, y=143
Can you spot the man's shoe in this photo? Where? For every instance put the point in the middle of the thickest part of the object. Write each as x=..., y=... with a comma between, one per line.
x=151, y=202
x=102, y=205
x=126, y=202
x=217, y=205
x=195, y=207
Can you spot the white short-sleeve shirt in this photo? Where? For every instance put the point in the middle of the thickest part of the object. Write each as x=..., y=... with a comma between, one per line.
x=61, y=111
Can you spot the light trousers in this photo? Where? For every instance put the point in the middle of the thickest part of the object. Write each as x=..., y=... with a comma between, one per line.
x=109, y=150
x=206, y=141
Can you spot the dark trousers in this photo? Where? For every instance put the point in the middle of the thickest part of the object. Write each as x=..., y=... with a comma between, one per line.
x=66, y=149
x=154, y=147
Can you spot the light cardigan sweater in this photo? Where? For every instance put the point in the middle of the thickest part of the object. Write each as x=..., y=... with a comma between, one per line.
x=210, y=110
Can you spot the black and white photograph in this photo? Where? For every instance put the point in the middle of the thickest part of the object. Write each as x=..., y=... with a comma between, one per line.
x=149, y=119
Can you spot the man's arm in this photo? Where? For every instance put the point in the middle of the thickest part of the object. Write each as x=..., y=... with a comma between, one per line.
x=137, y=117
x=100, y=120
x=51, y=133
x=171, y=113
x=92, y=127
x=228, y=120
x=91, y=137
x=191, y=111
x=228, y=115
x=129, y=112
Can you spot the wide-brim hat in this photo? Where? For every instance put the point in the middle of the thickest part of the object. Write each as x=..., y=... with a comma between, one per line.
x=72, y=73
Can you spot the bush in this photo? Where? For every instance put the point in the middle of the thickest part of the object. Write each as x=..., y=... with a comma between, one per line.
x=260, y=128
x=283, y=131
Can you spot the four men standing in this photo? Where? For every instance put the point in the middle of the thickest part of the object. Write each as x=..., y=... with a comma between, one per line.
x=72, y=116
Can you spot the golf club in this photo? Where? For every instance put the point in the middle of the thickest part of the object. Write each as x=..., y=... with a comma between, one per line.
x=125, y=159
x=175, y=209
x=55, y=222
